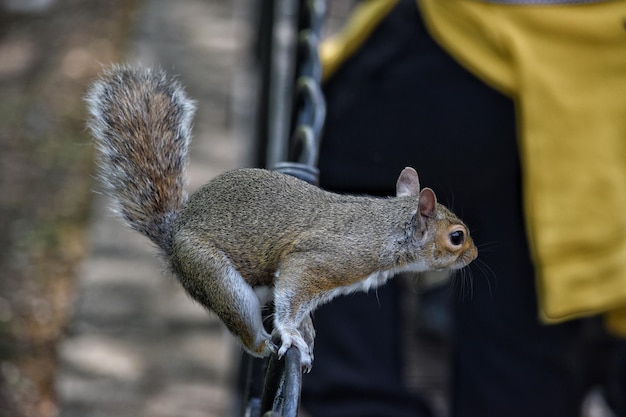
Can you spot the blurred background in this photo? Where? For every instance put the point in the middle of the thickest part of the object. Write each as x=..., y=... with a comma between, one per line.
x=90, y=325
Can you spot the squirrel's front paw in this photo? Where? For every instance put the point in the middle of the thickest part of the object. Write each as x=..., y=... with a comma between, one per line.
x=289, y=339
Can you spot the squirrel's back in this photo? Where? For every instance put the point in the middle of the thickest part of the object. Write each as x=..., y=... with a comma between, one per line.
x=256, y=216
x=141, y=121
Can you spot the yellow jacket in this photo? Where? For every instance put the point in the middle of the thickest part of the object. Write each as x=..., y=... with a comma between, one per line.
x=565, y=67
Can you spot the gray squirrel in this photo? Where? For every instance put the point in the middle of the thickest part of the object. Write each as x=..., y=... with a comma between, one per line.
x=252, y=235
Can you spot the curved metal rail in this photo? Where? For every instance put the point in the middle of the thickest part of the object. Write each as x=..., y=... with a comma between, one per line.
x=290, y=121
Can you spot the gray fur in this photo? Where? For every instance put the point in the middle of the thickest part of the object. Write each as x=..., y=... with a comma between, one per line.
x=141, y=120
x=250, y=228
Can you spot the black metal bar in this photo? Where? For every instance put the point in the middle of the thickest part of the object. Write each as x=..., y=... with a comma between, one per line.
x=293, y=383
x=255, y=368
x=282, y=384
x=310, y=107
x=262, y=52
x=282, y=77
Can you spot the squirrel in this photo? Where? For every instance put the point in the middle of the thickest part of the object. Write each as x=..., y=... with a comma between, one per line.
x=251, y=235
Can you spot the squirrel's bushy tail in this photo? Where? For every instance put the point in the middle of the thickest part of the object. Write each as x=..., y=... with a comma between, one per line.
x=141, y=121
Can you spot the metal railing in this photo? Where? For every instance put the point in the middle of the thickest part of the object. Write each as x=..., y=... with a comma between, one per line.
x=290, y=119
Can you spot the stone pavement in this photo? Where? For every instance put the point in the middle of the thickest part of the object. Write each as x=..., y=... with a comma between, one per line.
x=138, y=346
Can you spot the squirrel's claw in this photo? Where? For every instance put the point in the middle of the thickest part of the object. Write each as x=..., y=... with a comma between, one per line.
x=294, y=338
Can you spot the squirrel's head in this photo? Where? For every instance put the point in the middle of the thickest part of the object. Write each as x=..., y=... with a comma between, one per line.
x=443, y=239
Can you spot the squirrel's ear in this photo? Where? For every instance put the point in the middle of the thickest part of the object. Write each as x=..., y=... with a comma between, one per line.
x=408, y=183
x=428, y=202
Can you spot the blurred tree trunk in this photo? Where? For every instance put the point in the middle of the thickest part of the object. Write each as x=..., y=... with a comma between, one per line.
x=48, y=55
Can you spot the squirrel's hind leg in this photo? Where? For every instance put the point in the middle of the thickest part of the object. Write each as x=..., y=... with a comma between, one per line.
x=212, y=280
x=241, y=313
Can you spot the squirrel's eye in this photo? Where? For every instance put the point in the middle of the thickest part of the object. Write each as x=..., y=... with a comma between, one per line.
x=457, y=237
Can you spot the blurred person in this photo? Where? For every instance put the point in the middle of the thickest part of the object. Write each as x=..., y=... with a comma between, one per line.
x=515, y=115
